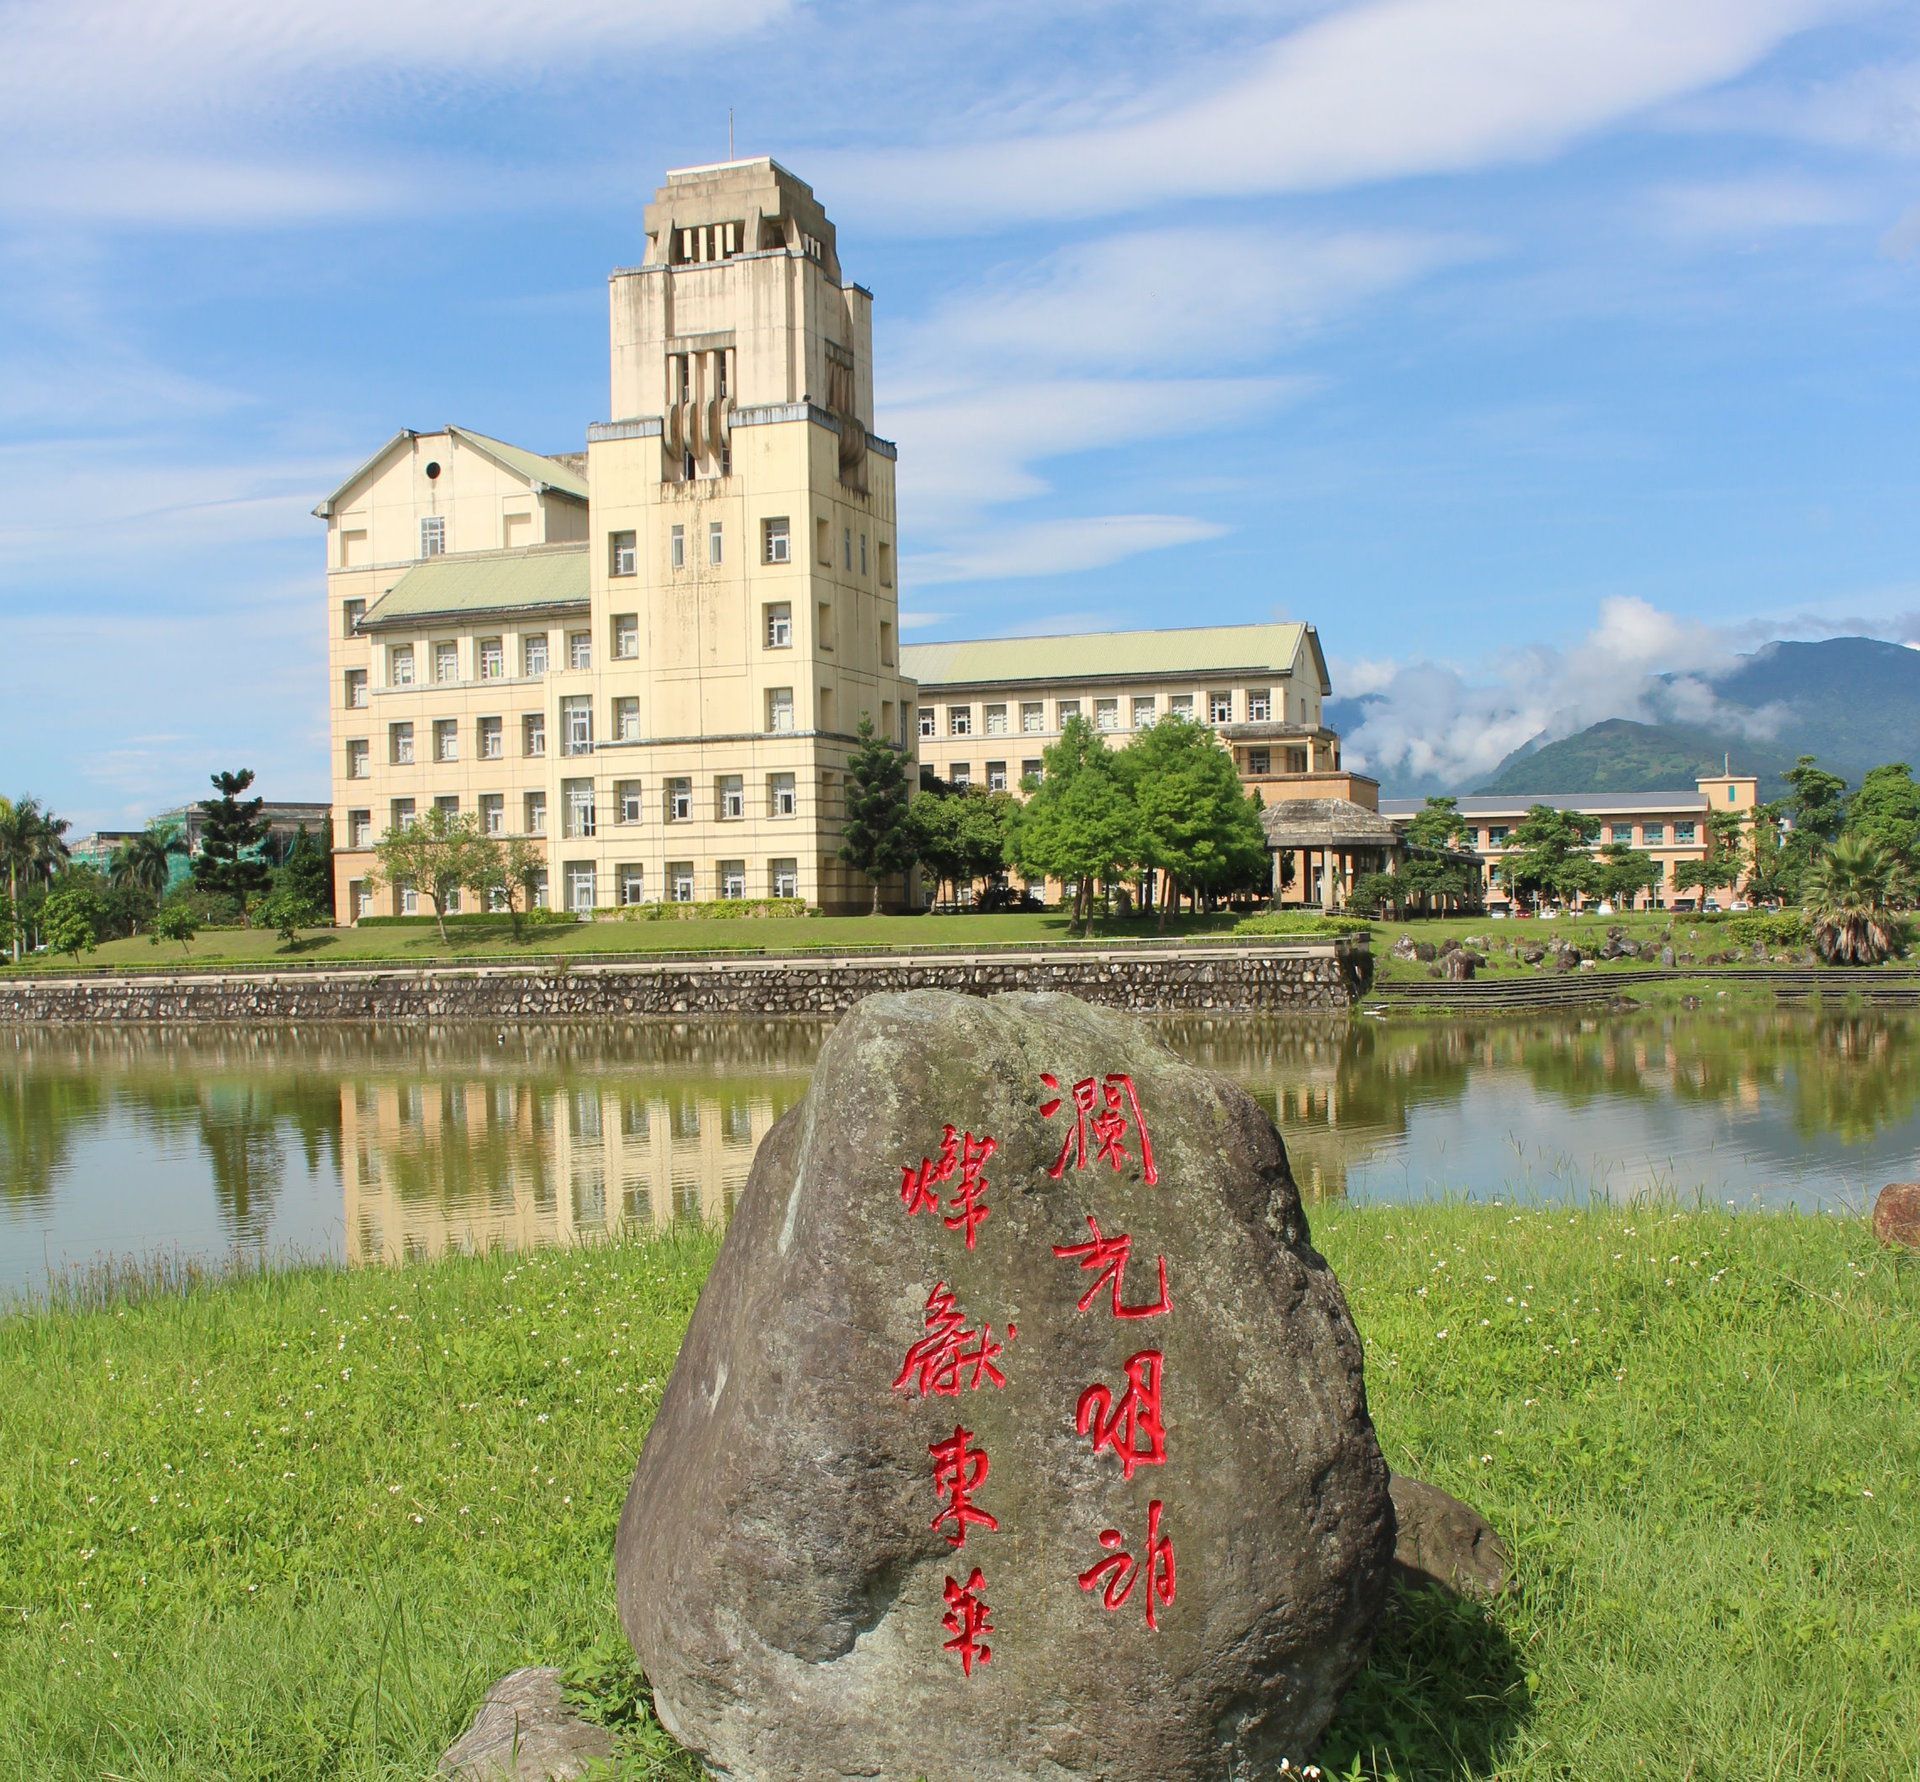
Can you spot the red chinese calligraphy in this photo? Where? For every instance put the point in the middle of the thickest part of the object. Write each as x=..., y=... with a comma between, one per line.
x=966, y=1620
x=958, y=1472
x=962, y=1155
x=1120, y=1571
x=917, y=1185
x=1102, y=1104
x=1130, y=1425
x=1107, y=1256
x=949, y=1354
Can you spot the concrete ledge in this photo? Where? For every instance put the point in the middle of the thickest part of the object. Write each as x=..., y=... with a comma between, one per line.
x=1310, y=976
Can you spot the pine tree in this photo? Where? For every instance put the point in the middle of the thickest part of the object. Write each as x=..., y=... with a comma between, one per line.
x=878, y=839
x=229, y=863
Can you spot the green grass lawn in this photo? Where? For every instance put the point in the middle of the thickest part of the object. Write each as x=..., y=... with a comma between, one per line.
x=290, y=1527
x=422, y=945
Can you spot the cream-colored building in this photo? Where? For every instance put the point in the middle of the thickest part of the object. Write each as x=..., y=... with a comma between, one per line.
x=987, y=710
x=653, y=656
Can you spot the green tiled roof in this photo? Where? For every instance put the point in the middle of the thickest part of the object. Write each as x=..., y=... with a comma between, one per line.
x=530, y=465
x=1206, y=649
x=485, y=582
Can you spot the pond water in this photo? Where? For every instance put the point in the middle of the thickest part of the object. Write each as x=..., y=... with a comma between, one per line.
x=387, y=1144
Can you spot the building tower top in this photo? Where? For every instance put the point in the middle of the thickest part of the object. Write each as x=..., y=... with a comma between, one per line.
x=706, y=214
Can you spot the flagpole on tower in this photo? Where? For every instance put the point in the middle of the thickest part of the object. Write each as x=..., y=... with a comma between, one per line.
x=729, y=132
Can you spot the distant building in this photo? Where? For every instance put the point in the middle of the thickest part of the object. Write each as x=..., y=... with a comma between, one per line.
x=284, y=819
x=1669, y=826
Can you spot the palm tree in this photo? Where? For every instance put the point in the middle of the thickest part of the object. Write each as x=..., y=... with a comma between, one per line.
x=1849, y=891
x=146, y=860
x=33, y=844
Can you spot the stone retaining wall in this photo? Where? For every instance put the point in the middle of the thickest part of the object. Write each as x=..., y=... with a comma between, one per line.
x=1327, y=975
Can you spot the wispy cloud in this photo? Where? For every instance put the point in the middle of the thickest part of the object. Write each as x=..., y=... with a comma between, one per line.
x=1758, y=204
x=1060, y=547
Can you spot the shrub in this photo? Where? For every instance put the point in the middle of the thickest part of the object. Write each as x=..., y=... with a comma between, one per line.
x=776, y=908
x=1307, y=925
x=1775, y=928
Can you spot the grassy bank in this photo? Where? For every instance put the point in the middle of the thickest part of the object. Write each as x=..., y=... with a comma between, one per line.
x=291, y=1526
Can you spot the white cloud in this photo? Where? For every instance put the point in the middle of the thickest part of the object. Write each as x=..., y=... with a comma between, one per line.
x=1760, y=204
x=1058, y=547
x=1377, y=91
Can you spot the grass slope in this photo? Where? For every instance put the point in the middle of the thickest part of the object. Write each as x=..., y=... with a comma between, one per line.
x=291, y=1526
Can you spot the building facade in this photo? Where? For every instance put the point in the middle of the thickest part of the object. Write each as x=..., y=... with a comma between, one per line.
x=651, y=658
x=1669, y=826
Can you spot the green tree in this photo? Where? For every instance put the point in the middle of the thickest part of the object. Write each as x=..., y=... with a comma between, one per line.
x=232, y=830
x=1620, y=874
x=71, y=917
x=1723, y=863
x=1886, y=812
x=308, y=871
x=517, y=871
x=1436, y=825
x=1848, y=902
x=877, y=839
x=1078, y=825
x=1429, y=871
x=286, y=911
x=146, y=859
x=1768, y=879
x=1548, y=854
x=175, y=922
x=1816, y=799
x=936, y=822
x=438, y=854
x=1192, y=823
x=33, y=845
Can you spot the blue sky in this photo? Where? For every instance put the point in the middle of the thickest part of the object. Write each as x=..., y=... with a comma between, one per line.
x=1525, y=346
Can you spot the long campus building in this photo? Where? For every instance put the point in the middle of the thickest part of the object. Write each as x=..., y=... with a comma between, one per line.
x=651, y=658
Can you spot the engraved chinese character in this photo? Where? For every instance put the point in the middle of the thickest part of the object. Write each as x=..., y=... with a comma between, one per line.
x=1130, y=1425
x=917, y=1185
x=969, y=1199
x=1101, y=1104
x=958, y=1472
x=949, y=1353
x=1120, y=1571
x=966, y=1620
x=1107, y=1257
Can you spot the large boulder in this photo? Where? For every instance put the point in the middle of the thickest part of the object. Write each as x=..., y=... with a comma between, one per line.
x=1896, y=1215
x=1019, y=1433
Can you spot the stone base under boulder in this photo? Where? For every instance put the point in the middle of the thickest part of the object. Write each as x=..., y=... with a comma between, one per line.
x=526, y=1732
x=1440, y=1540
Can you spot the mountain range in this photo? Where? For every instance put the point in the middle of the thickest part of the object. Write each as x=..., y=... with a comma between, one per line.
x=1854, y=702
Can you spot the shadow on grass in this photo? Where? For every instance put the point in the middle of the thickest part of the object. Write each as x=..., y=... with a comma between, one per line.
x=310, y=943
x=1442, y=1696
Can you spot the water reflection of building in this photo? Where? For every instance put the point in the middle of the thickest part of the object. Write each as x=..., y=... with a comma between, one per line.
x=429, y=1167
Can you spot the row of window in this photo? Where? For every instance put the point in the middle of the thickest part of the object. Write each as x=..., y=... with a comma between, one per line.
x=1142, y=709
x=728, y=880
x=960, y=773
x=582, y=807
x=776, y=548
x=1652, y=835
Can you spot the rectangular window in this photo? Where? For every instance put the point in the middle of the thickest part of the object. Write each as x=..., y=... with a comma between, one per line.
x=960, y=774
x=1260, y=706
x=576, y=725
x=579, y=649
x=626, y=719
x=627, y=792
x=534, y=809
x=1032, y=770
x=578, y=795
x=400, y=814
x=823, y=631
x=1653, y=835
x=1683, y=834
x=493, y=813
x=409, y=901
x=1143, y=711
x=633, y=884
x=359, y=829
x=679, y=801
x=1622, y=833
x=623, y=553
x=448, y=805
x=776, y=542
x=538, y=895
x=784, y=878
x=716, y=542
x=446, y=663
x=863, y=553
x=959, y=720
x=493, y=658
x=400, y=744
x=733, y=878
x=680, y=880
x=846, y=548
x=1497, y=836
x=359, y=759
x=886, y=564
x=779, y=708
x=996, y=776
x=580, y=892
x=926, y=721
x=1066, y=711
x=1219, y=708
x=996, y=720
x=779, y=625
x=1259, y=763
x=356, y=688
x=359, y=898
x=733, y=798
x=351, y=613
x=433, y=535
x=400, y=665
x=446, y=739
x=533, y=655
x=493, y=739
x=533, y=733
x=677, y=548
x=1033, y=717
x=781, y=798
x=886, y=644
x=626, y=636
x=1106, y=714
